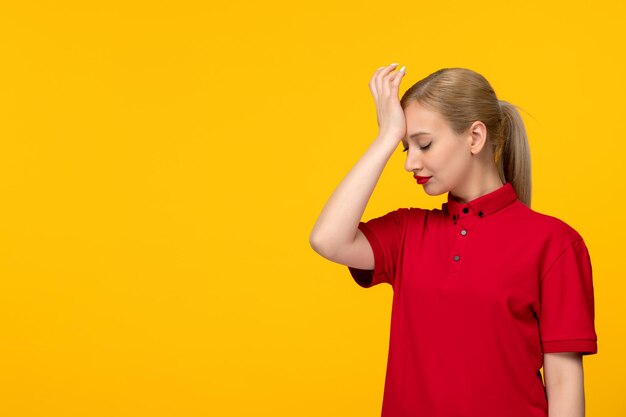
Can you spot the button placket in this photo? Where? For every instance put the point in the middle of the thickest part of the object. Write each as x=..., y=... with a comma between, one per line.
x=459, y=239
x=465, y=217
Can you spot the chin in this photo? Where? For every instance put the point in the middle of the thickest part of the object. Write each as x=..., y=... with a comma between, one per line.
x=433, y=191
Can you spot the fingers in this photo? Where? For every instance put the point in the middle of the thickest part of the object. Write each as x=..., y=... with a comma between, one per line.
x=376, y=81
x=384, y=86
x=374, y=88
x=396, y=78
x=380, y=77
x=390, y=83
x=383, y=77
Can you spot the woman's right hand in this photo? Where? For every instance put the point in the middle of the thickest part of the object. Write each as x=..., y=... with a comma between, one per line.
x=389, y=114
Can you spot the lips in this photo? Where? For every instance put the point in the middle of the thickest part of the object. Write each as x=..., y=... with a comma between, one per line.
x=421, y=180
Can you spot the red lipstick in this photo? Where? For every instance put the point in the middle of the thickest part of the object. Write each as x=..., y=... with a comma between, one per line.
x=421, y=180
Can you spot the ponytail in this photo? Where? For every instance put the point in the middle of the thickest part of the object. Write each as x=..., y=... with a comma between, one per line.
x=512, y=153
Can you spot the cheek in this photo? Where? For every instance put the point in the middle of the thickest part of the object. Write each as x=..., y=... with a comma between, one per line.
x=452, y=159
x=443, y=155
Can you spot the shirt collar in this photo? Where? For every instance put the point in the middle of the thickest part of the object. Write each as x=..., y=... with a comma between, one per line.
x=481, y=206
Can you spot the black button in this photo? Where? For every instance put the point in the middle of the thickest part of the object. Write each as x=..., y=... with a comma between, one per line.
x=454, y=217
x=465, y=210
x=480, y=213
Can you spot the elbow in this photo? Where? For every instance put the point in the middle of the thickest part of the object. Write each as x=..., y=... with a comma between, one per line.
x=318, y=246
x=313, y=242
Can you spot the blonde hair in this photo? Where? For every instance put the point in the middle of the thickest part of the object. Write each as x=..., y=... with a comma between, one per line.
x=463, y=96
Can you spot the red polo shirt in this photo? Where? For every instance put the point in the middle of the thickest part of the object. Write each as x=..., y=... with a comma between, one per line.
x=480, y=291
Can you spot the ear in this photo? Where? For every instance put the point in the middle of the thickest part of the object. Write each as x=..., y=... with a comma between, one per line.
x=478, y=136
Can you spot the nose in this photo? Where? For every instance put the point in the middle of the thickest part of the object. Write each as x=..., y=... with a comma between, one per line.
x=413, y=162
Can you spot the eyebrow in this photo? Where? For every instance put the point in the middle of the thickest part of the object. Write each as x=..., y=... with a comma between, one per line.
x=419, y=133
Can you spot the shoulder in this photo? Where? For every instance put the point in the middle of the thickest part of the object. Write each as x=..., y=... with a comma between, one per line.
x=553, y=226
x=407, y=218
x=424, y=215
x=553, y=237
x=409, y=213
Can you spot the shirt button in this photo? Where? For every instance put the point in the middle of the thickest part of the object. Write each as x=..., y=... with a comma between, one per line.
x=463, y=232
x=457, y=257
x=480, y=213
x=466, y=210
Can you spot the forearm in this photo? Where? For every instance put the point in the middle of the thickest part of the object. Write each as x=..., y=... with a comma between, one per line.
x=338, y=222
x=566, y=399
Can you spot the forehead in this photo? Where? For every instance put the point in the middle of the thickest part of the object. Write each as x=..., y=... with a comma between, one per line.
x=420, y=118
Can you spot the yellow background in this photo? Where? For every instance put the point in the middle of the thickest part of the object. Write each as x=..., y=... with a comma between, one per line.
x=163, y=164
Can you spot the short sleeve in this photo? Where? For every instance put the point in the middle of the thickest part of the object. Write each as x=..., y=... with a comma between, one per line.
x=386, y=237
x=566, y=319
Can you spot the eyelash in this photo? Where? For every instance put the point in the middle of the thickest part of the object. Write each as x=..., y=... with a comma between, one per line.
x=422, y=148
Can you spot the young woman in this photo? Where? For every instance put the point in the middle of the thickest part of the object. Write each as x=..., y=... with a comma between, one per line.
x=486, y=290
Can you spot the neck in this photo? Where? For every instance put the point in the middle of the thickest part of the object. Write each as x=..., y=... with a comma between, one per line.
x=477, y=185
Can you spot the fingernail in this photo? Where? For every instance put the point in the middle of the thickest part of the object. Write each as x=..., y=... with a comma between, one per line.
x=402, y=69
x=392, y=64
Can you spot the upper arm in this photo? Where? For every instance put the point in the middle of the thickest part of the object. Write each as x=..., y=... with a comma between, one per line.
x=567, y=314
x=358, y=254
x=562, y=367
x=377, y=249
x=373, y=255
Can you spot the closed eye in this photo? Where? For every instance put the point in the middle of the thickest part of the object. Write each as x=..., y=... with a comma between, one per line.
x=421, y=147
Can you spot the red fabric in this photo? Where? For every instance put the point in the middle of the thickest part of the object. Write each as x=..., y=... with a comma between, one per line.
x=468, y=335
